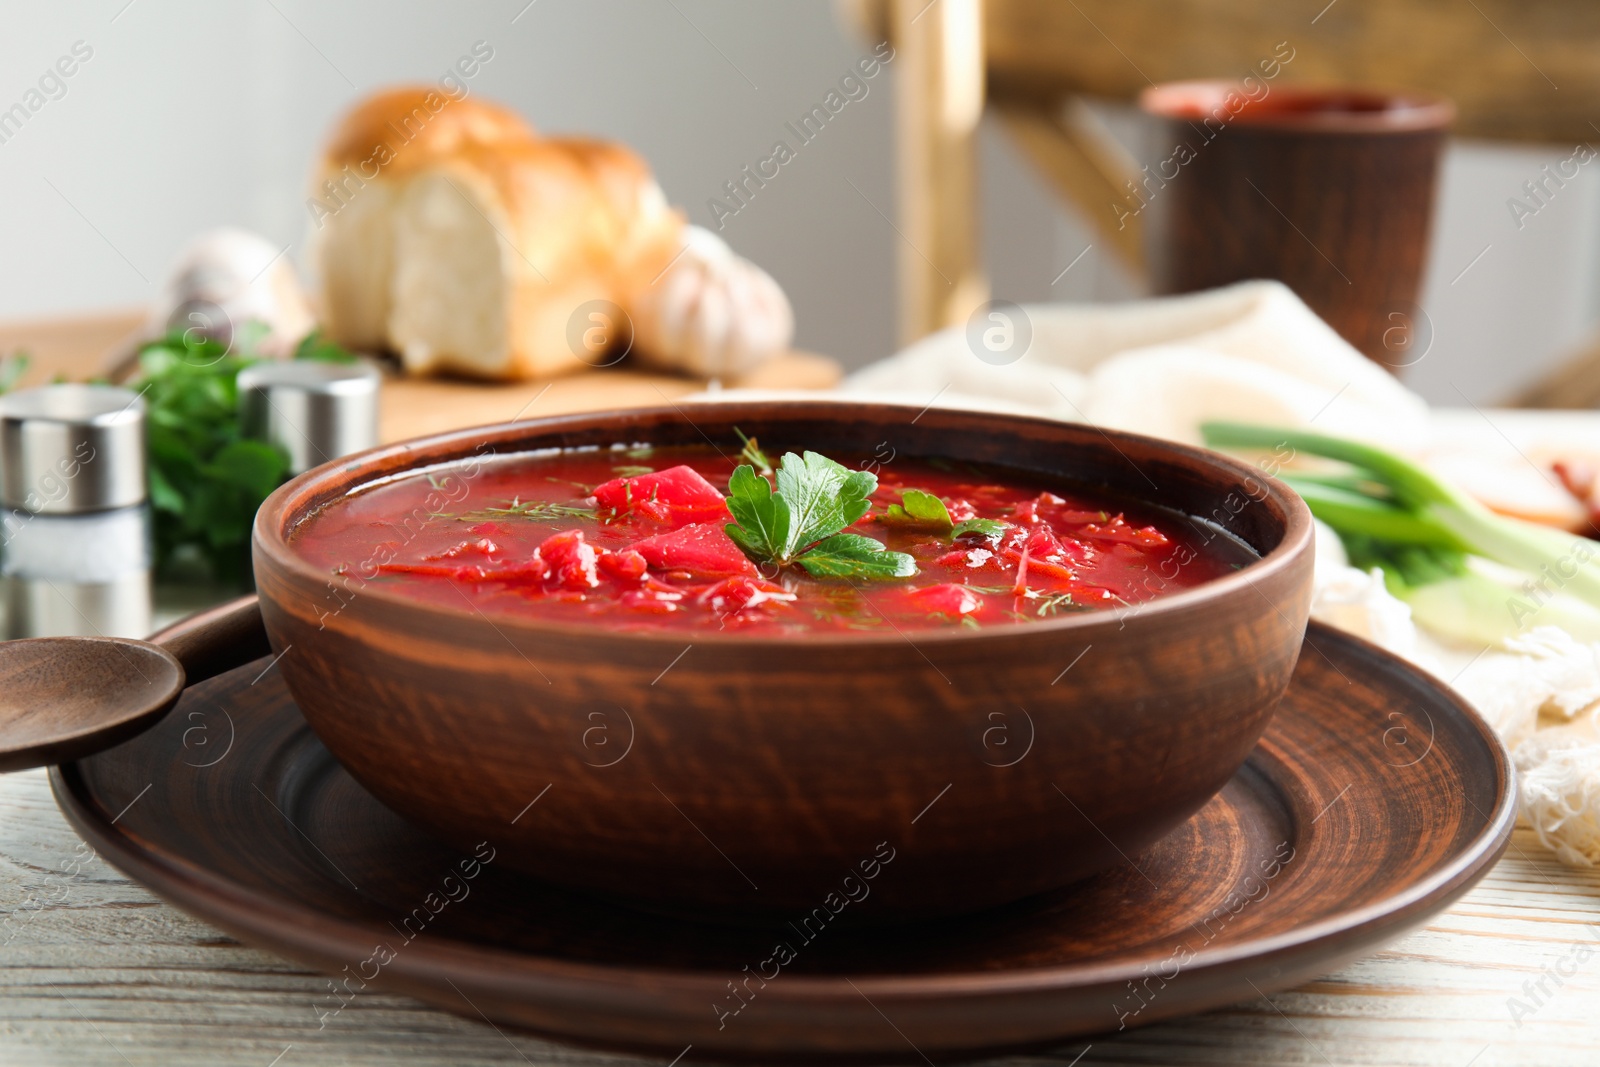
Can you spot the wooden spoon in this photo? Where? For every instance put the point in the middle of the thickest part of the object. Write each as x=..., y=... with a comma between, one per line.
x=62, y=698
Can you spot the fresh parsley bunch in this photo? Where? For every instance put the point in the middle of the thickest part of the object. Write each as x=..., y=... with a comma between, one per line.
x=206, y=479
x=800, y=521
x=12, y=368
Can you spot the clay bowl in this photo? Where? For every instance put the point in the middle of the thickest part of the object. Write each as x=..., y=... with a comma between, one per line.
x=747, y=776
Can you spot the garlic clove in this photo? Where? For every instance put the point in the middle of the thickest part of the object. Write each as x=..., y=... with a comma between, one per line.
x=713, y=313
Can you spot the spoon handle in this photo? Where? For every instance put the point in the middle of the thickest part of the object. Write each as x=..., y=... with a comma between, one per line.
x=64, y=698
x=220, y=639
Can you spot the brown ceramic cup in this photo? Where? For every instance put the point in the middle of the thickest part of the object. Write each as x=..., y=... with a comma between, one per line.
x=755, y=774
x=1327, y=190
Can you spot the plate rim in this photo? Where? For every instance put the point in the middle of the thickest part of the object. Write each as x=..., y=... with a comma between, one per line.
x=316, y=937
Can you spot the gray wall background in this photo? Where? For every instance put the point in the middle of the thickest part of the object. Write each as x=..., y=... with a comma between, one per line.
x=192, y=114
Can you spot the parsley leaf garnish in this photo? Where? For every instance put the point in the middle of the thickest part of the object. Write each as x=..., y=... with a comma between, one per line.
x=854, y=556
x=823, y=497
x=922, y=510
x=761, y=517
x=988, y=529
x=800, y=522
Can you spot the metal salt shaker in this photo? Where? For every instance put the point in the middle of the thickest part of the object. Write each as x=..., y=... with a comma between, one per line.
x=314, y=411
x=75, y=551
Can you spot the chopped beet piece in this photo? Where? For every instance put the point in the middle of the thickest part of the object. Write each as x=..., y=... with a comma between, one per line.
x=702, y=549
x=968, y=557
x=734, y=595
x=1047, y=507
x=1043, y=544
x=1046, y=553
x=1075, y=517
x=658, y=601
x=1118, y=529
x=571, y=560
x=678, y=496
x=466, y=573
x=482, y=548
x=1031, y=512
x=625, y=566
x=532, y=569
x=947, y=598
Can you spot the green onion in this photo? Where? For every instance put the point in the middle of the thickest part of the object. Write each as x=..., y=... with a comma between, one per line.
x=1429, y=539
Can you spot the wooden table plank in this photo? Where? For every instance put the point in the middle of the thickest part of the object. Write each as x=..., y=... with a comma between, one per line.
x=74, y=346
x=91, y=962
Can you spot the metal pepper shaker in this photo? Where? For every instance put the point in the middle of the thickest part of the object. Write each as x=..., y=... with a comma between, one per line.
x=75, y=550
x=314, y=411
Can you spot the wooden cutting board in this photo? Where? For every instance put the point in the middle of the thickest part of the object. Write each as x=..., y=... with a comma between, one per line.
x=415, y=406
x=78, y=347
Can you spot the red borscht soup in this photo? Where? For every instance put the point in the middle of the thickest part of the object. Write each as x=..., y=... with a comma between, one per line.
x=693, y=538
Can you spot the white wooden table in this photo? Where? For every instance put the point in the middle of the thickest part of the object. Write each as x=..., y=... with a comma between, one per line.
x=94, y=969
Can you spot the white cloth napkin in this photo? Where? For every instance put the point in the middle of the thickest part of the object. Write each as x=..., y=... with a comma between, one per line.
x=1254, y=352
x=1251, y=351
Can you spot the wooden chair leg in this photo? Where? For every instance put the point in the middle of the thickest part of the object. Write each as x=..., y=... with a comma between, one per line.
x=1087, y=168
x=938, y=105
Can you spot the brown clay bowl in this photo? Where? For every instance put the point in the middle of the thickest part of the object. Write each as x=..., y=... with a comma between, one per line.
x=745, y=775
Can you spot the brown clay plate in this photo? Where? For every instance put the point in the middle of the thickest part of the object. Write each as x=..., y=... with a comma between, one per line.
x=1375, y=799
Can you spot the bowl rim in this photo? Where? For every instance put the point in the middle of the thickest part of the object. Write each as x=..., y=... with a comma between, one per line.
x=268, y=536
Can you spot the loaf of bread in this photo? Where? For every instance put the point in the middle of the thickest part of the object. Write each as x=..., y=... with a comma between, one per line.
x=447, y=231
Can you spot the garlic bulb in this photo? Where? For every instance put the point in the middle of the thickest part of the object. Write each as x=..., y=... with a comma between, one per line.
x=227, y=277
x=712, y=312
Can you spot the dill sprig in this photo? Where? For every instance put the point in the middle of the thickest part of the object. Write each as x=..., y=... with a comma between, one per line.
x=532, y=510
